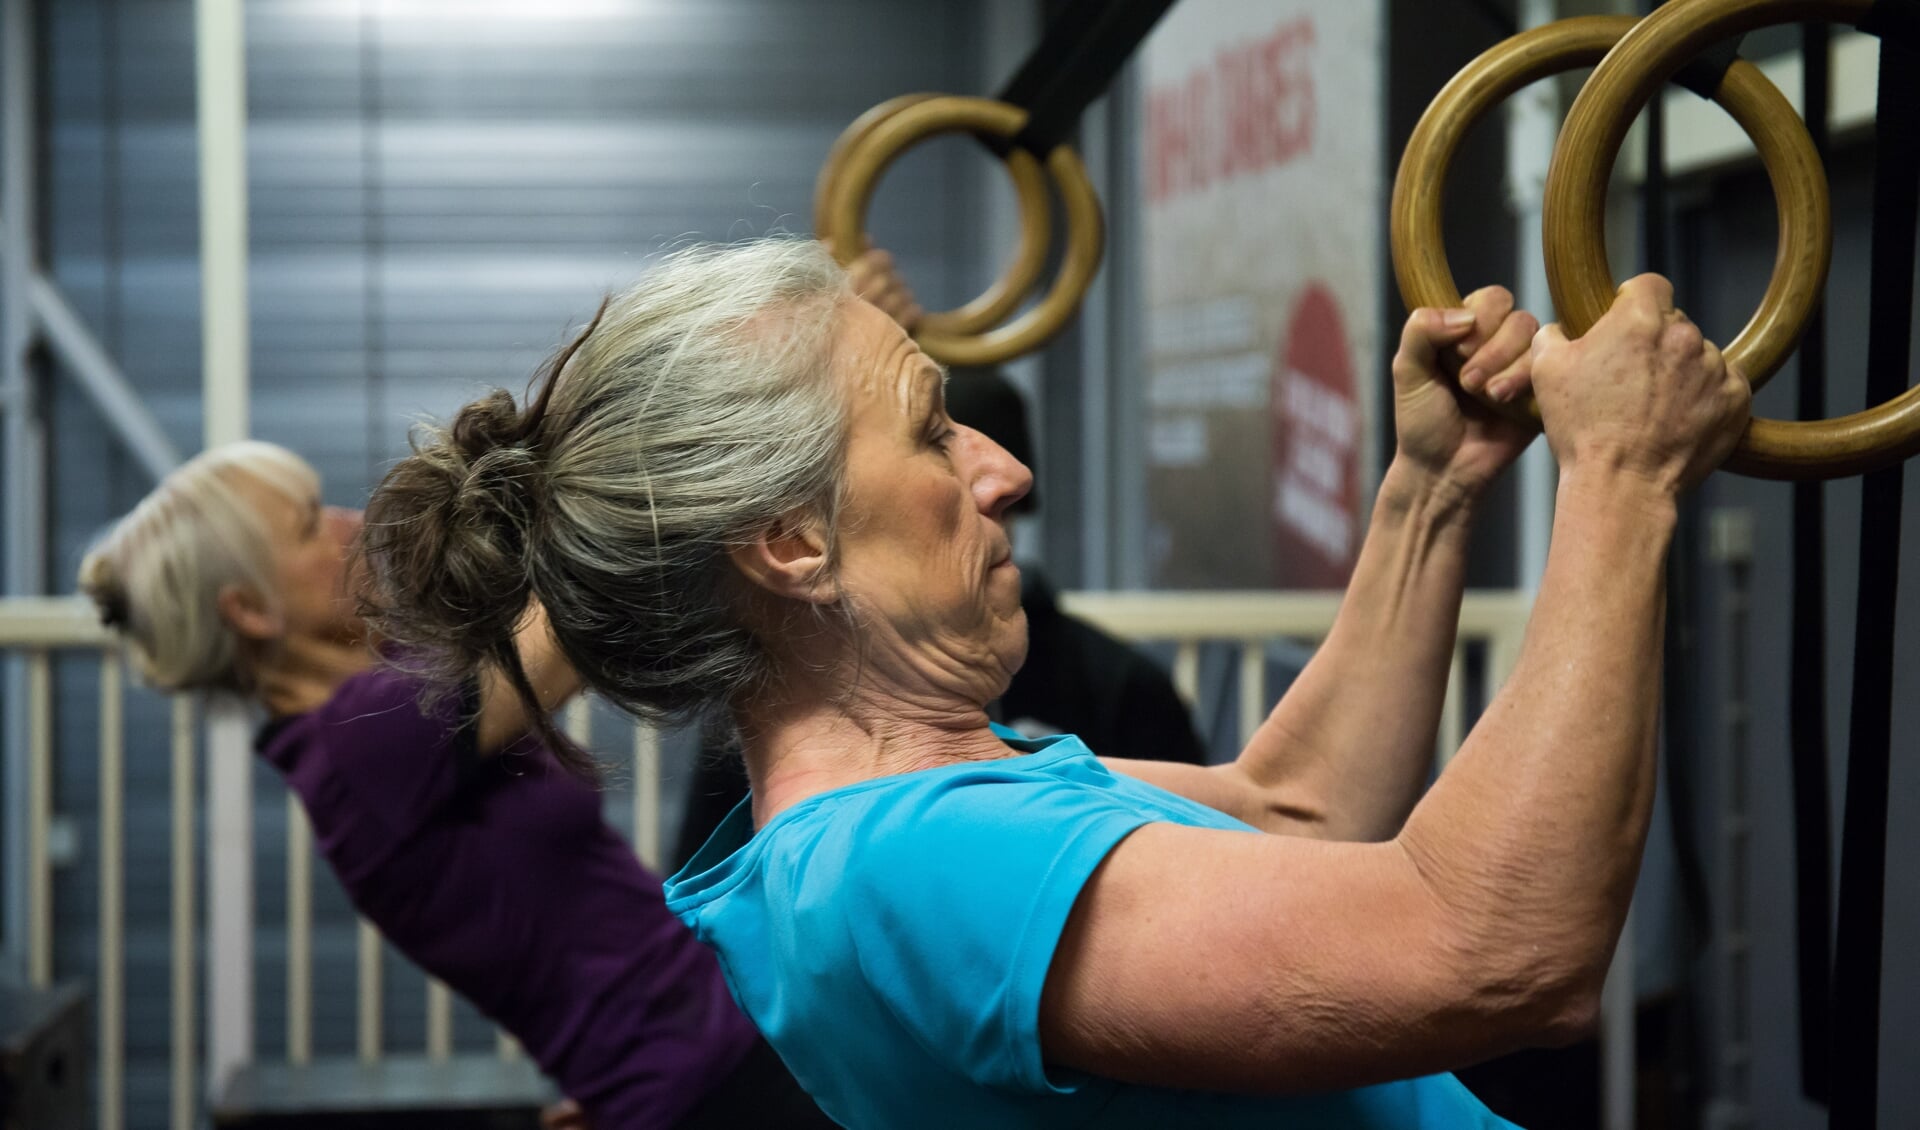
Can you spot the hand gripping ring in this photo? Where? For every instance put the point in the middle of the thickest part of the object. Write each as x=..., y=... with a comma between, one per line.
x=1576, y=259
x=1806, y=237
x=1029, y=257
x=867, y=158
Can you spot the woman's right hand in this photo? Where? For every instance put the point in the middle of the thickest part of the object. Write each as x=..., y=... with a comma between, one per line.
x=1642, y=392
x=565, y=1115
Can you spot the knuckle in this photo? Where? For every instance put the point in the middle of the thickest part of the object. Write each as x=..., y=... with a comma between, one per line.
x=1685, y=337
x=1422, y=326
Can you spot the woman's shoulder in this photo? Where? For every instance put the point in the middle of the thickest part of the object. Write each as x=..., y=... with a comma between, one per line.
x=903, y=823
x=962, y=824
x=932, y=800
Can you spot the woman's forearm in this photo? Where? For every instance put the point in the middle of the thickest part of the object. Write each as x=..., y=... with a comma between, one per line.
x=504, y=715
x=1535, y=830
x=1354, y=735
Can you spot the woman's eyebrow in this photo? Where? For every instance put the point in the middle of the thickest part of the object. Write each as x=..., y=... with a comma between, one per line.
x=929, y=390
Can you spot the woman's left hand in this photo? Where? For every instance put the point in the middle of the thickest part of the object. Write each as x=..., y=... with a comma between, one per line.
x=875, y=279
x=1443, y=430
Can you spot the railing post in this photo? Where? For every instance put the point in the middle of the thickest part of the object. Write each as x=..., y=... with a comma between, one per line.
x=646, y=794
x=39, y=819
x=110, y=985
x=185, y=917
x=229, y=891
x=369, y=960
x=299, y=933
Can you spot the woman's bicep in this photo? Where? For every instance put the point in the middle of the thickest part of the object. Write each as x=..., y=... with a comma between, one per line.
x=1226, y=788
x=1228, y=961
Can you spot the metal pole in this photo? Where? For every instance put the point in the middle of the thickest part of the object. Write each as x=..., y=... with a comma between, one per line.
x=95, y=371
x=26, y=514
x=1533, y=120
x=220, y=71
x=1095, y=503
x=1532, y=124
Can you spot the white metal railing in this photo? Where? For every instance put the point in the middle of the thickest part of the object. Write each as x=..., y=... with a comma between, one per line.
x=36, y=629
x=1491, y=624
x=1490, y=620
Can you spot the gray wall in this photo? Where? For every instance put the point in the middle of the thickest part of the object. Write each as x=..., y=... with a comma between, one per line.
x=435, y=200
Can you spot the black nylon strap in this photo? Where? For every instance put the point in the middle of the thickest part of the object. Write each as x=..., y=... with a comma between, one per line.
x=1704, y=73
x=1858, y=942
x=1895, y=20
x=1085, y=45
x=1048, y=56
x=1807, y=694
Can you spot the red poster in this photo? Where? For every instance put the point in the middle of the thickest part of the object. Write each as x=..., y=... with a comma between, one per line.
x=1317, y=444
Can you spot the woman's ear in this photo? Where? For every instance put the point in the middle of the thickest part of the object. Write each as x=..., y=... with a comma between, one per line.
x=789, y=559
x=248, y=614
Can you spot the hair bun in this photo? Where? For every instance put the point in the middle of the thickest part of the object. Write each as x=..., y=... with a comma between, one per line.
x=101, y=583
x=488, y=424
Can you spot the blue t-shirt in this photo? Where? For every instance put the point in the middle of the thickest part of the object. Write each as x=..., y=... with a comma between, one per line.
x=891, y=940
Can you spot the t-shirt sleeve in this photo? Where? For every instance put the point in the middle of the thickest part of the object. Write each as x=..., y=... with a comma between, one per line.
x=957, y=896
x=400, y=753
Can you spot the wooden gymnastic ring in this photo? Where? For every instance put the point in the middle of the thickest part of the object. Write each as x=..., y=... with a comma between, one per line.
x=867, y=159
x=1576, y=262
x=1029, y=261
x=1419, y=253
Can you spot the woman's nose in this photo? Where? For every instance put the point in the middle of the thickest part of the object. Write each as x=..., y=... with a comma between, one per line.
x=344, y=523
x=1002, y=480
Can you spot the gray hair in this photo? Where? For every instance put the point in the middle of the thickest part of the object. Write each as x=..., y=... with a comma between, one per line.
x=693, y=413
x=157, y=575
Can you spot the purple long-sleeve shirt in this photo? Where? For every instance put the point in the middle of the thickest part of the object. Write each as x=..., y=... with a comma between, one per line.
x=501, y=877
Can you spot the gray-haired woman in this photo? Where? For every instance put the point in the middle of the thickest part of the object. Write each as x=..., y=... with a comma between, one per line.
x=470, y=847
x=741, y=493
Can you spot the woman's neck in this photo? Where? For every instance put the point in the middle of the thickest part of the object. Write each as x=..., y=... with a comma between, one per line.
x=805, y=742
x=302, y=673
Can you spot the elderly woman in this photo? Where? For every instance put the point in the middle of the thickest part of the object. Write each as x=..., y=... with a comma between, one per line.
x=456, y=833
x=739, y=492
x=467, y=844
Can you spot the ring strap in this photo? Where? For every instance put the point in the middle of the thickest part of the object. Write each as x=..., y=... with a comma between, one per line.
x=1085, y=45
x=1894, y=20
x=1704, y=73
x=1863, y=849
x=1807, y=690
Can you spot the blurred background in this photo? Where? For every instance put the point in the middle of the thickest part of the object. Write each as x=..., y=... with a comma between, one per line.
x=436, y=191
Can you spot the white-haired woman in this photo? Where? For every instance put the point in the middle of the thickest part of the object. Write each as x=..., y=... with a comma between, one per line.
x=478, y=850
x=742, y=494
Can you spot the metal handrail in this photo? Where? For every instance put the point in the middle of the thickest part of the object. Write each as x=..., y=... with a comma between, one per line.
x=1495, y=618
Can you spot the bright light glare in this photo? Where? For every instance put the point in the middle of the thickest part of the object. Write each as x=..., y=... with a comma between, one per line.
x=505, y=11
